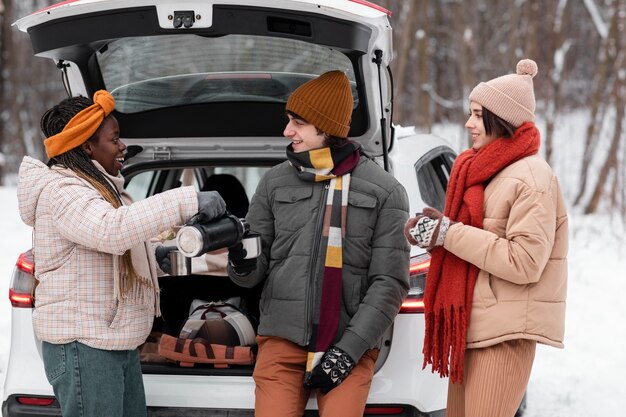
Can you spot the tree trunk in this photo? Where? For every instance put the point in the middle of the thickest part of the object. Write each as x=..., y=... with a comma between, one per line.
x=597, y=100
x=402, y=60
x=611, y=162
x=533, y=10
x=555, y=74
x=423, y=61
x=5, y=41
x=29, y=86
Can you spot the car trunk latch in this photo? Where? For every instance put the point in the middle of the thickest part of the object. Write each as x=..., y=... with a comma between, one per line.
x=161, y=153
x=184, y=18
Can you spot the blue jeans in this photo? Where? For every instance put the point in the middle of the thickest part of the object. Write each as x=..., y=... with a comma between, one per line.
x=91, y=382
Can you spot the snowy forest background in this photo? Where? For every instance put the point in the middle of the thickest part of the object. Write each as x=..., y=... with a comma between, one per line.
x=442, y=50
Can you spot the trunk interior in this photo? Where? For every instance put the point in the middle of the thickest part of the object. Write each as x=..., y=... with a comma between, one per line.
x=177, y=294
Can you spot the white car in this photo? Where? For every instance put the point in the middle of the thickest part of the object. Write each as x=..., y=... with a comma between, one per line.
x=201, y=87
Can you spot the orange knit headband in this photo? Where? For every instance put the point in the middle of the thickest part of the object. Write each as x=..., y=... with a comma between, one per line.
x=82, y=126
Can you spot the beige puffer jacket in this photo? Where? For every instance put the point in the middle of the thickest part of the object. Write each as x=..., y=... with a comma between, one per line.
x=522, y=255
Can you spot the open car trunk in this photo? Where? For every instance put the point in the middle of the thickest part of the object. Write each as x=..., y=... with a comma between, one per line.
x=218, y=70
x=204, y=80
x=177, y=294
x=200, y=89
x=207, y=279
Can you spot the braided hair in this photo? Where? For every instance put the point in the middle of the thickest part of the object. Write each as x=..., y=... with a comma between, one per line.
x=53, y=122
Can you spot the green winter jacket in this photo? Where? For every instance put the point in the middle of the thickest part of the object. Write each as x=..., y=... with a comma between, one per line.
x=288, y=212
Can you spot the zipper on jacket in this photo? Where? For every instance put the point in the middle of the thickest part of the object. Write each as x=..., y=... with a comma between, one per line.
x=310, y=296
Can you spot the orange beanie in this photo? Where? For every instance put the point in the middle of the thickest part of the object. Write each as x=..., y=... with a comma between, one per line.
x=326, y=102
x=82, y=126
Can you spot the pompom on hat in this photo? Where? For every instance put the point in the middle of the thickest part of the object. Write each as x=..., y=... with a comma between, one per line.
x=325, y=102
x=510, y=97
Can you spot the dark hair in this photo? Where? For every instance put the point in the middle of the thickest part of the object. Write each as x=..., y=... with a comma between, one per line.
x=495, y=126
x=52, y=122
x=329, y=140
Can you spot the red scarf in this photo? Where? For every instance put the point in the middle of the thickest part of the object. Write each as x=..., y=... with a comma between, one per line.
x=451, y=280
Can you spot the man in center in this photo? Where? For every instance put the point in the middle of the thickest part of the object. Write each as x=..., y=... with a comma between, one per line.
x=334, y=260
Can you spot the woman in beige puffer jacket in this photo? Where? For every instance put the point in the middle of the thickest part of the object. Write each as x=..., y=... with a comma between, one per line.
x=498, y=276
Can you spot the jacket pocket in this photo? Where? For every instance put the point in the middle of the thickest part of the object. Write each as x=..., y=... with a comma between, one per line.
x=483, y=291
x=111, y=312
x=54, y=361
x=361, y=216
x=266, y=295
x=292, y=207
x=352, y=295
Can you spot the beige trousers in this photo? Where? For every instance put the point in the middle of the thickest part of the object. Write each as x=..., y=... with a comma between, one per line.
x=279, y=376
x=494, y=380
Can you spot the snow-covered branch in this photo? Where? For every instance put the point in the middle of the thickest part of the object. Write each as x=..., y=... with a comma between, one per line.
x=601, y=26
x=449, y=104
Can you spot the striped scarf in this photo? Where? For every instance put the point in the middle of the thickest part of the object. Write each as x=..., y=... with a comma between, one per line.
x=324, y=164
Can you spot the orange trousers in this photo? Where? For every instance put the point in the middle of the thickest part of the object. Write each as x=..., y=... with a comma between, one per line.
x=279, y=376
x=494, y=380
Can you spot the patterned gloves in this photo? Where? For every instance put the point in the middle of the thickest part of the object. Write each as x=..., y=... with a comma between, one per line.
x=331, y=371
x=237, y=261
x=427, y=229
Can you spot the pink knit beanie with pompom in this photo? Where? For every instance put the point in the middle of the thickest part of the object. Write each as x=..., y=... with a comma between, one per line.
x=511, y=96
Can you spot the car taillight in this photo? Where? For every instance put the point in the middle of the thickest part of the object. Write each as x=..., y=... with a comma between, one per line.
x=373, y=6
x=25, y=262
x=39, y=401
x=54, y=6
x=414, y=302
x=22, y=284
x=383, y=410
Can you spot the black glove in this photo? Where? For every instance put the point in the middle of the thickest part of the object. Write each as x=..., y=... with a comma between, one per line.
x=237, y=261
x=331, y=371
x=211, y=204
x=163, y=260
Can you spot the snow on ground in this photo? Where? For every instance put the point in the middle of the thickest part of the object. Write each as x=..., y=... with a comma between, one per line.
x=582, y=380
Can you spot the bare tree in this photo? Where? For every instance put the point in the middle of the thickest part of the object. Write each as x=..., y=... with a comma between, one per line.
x=28, y=86
x=441, y=49
x=600, y=90
x=559, y=47
x=422, y=40
x=402, y=56
x=610, y=167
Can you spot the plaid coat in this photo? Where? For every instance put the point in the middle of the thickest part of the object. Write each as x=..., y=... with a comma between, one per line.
x=76, y=237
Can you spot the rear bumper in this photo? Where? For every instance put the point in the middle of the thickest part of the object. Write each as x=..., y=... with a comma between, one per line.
x=13, y=408
x=401, y=380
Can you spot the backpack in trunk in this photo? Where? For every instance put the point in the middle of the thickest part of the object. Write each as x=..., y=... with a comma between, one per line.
x=216, y=332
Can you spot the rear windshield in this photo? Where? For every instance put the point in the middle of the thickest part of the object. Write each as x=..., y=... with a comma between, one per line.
x=145, y=73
